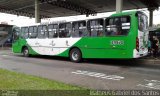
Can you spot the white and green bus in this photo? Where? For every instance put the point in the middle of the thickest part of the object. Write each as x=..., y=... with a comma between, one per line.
x=119, y=36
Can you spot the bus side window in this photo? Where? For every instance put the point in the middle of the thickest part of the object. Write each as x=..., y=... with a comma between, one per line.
x=35, y=32
x=79, y=29
x=125, y=25
x=117, y=26
x=95, y=27
x=53, y=31
x=55, y=27
x=45, y=31
x=24, y=32
x=64, y=30
x=112, y=26
x=42, y=31
x=32, y=32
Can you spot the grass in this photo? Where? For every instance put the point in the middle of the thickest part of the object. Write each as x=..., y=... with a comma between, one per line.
x=28, y=85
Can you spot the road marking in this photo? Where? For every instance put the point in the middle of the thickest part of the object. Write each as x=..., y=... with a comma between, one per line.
x=4, y=55
x=98, y=75
x=153, y=84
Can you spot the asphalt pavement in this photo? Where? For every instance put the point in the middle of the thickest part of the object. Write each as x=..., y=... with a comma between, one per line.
x=101, y=74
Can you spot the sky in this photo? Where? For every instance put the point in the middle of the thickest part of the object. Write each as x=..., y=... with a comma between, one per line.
x=21, y=20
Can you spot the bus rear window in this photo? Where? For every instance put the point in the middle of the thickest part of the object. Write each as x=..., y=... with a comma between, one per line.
x=117, y=26
x=142, y=22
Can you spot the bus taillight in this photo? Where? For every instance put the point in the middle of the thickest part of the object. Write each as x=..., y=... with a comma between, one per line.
x=137, y=43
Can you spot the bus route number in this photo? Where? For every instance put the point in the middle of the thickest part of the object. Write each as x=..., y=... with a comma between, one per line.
x=117, y=42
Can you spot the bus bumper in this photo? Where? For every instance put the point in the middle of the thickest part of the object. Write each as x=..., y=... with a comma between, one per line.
x=137, y=54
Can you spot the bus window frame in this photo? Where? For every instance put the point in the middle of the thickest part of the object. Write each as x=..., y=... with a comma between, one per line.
x=130, y=17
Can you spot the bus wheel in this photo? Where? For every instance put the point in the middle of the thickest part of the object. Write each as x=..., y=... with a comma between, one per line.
x=75, y=55
x=25, y=52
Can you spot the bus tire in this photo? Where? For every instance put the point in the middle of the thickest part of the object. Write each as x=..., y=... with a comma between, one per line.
x=25, y=52
x=75, y=55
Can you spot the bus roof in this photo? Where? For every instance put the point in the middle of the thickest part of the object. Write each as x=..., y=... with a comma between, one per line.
x=64, y=21
x=124, y=13
x=127, y=13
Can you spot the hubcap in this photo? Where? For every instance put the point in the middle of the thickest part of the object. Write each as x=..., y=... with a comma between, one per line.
x=25, y=52
x=75, y=56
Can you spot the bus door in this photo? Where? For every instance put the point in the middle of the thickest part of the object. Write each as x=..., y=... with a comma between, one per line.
x=142, y=37
x=16, y=37
x=32, y=41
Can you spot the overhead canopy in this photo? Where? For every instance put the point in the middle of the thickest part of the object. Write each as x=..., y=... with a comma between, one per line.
x=57, y=8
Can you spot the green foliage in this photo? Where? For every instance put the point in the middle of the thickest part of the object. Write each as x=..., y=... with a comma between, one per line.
x=17, y=81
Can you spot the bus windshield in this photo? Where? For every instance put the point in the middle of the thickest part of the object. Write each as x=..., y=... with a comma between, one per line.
x=16, y=31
